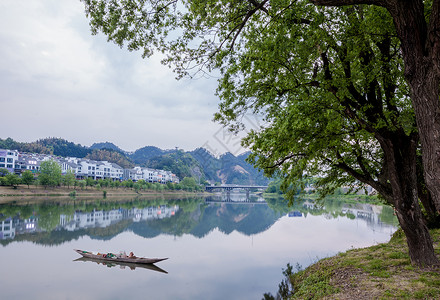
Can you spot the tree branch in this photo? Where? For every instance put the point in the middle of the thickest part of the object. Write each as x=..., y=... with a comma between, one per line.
x=385, y=191
x=384, y=3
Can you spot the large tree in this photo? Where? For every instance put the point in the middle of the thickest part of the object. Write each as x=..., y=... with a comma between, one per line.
x=50, y=173
x=328, y=83
x=417, y=24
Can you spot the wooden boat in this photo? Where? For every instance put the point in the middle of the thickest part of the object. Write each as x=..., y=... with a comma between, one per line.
x=116, y=258
x=122, y=265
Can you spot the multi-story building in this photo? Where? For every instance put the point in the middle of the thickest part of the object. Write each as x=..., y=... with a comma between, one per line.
x=8, y=159
x=82, y=168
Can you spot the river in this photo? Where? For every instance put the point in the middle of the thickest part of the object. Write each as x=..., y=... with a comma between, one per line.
x=217, y=249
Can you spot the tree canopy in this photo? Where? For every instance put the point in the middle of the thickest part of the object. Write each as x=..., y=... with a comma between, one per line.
x=332, y=86
x=50, y=173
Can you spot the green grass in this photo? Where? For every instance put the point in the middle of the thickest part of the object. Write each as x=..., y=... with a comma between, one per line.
x=382, y=271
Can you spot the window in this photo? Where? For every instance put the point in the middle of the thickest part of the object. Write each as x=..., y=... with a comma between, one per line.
x=10, y=160
x=2, y=159
x=2, y=165
x=9, y=166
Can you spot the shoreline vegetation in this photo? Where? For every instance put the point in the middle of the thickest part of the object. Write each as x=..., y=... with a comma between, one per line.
x=23, y=192
x=382, y=271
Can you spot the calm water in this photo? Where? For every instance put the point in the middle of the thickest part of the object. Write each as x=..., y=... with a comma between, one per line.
x=216, y=250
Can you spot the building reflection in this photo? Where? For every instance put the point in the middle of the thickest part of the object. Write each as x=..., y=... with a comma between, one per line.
x=13, y=226
x=227, y=214
x=370, y=214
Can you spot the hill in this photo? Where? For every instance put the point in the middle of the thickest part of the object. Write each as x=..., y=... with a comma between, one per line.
x=142, y=155
x=54, y=146
x=106, y=145
x=199, y=163
x=228, y=169
x=180, y=163
x=111, y=156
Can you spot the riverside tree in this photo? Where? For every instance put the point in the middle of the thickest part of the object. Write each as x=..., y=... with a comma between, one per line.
x=330, y=85
x=69, y=178
x=50, y=173
x=27, y=178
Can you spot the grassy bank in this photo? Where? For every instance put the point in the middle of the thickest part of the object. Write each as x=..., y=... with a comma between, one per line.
x=383, y=271
x=8, y=194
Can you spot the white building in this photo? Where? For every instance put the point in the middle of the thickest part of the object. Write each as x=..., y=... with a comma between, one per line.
x=82, y=168
x=8, y=159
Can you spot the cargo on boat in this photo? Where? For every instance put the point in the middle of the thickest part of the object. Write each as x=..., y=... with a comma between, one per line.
x=121, y=257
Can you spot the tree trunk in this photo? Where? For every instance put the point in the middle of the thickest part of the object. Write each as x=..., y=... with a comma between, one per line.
x=425, y=99
x=421, y=53
x=400, y=151
x=432, y=218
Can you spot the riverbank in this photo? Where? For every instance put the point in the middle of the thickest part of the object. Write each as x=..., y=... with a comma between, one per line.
x=383, y=271
x=8, y=194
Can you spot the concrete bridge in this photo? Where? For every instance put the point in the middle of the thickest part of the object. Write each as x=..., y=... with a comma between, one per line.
x=230, y=187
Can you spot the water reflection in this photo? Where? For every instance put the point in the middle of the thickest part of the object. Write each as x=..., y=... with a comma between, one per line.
x=218, y=249
x=122, y=265
x=146, y=218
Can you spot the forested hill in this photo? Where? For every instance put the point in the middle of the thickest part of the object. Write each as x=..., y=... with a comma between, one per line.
x=54, y=146
x=199, y=163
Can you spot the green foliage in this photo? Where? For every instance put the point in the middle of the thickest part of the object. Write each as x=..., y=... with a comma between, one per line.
x=33, y=147
x=53, y=146
x=90, y=181
x=69, y=178
x=143, y=155
x=27, y=177
x=314, y=284
x=3, y=172
x=110, y=156
x=64, y=148
x=107, y=146
x=50, y=173
x=274, y=187
x=12, y=180
x=82, y=184
x=188, y=183
x=326, y=81
x=180, y=163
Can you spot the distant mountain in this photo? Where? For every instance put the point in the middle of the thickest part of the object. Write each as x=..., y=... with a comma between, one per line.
x=228, y=169
x=142, y=155
x=54, y=146
x=210, y=164
x=64, y=148
x=111, y=156
x=199, y=163
x=106, y=145
x=33, y=147
x=179, y=162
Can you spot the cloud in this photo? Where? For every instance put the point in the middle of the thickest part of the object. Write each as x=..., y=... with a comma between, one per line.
x=59, y=80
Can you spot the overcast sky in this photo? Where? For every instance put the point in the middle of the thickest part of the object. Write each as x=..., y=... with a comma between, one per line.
x=57, y=80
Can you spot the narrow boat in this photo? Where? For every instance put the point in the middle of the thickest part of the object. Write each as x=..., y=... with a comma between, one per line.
x=118, y=258
x=122, y=265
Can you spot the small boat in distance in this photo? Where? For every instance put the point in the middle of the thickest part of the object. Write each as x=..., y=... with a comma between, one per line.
x=122, y=265
x=118, y=258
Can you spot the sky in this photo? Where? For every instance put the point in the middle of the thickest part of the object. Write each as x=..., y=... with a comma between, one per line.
x=57, y=80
